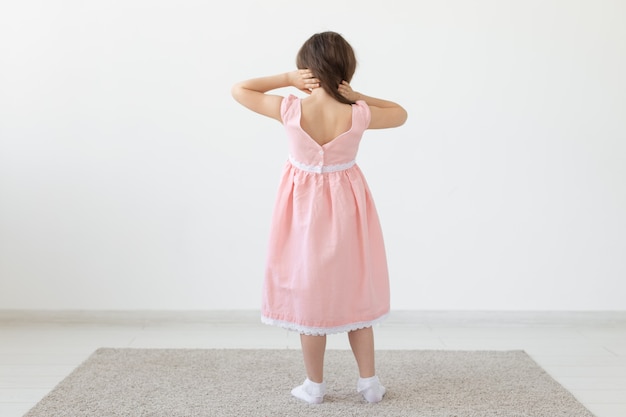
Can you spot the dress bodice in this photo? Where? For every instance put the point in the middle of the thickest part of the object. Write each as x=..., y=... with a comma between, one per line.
x=305, y=152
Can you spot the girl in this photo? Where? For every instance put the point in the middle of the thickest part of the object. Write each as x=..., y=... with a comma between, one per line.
x=326, y=266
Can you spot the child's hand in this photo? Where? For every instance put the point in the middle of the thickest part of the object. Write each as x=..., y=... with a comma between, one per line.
x=346, y=91
x=304, y=80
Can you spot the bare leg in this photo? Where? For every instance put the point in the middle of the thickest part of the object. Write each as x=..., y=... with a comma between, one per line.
x=362, y=344
x=314, y=387
x=313, y=348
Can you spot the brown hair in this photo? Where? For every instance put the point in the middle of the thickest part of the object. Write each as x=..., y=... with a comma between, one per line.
x=331, y=59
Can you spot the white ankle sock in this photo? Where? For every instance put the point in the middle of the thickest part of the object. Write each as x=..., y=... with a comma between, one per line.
x=371, y=389
x=309, y=391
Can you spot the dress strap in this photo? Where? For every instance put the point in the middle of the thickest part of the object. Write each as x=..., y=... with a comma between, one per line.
x=320, y=169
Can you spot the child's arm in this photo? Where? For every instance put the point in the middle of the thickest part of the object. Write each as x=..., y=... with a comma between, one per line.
x=384, y=113
x=252, y=93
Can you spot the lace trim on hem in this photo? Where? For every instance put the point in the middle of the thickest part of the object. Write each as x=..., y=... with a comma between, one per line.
x=320, y=169
x=321, y=331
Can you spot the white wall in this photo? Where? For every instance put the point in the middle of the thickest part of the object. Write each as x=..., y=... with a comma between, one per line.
x=130, y=179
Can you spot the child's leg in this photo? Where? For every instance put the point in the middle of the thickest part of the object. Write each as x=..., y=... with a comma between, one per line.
x=313, y=348
x=362, y=344
x=314, y=387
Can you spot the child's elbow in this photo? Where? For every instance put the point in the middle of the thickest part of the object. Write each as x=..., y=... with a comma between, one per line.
x=400, y=117
x=403, y=116
x=235, y=91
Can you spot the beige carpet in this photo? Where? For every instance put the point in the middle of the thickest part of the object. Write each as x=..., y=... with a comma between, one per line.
x=249, y=383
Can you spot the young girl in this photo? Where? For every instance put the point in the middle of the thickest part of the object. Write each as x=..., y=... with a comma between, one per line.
x=326, y=267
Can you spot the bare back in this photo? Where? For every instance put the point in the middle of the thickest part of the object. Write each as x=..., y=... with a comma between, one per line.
x=324, y=119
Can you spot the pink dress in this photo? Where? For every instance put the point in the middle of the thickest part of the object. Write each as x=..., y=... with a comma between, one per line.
x=326, y=267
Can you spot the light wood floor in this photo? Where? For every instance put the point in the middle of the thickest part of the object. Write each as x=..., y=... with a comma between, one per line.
x=585, y=352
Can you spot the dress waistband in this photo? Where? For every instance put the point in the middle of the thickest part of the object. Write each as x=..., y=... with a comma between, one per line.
x=320, y=169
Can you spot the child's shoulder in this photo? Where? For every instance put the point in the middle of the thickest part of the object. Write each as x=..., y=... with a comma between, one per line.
x=289, y=104
x=363, y=110
x=290, y=99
